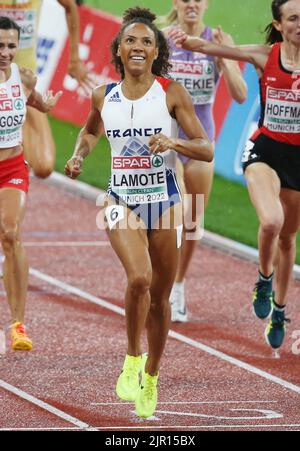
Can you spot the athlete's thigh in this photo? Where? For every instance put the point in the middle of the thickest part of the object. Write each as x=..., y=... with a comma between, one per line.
x=12, y=207
x=128, y=238
x=198, y=177
x=264, y=189
x=290, y=200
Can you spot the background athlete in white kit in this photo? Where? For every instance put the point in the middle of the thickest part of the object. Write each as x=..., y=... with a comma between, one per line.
x=140, y=117
x=17, y=88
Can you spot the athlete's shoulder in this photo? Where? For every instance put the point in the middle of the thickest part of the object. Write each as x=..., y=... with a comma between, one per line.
x=176, y=93
x=110, y=87
x=274, y=47
x=169, y=85
x=100, y=93
x=164, y=82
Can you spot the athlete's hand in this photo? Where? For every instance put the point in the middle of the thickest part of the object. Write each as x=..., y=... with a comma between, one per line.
x=51, y=100
x=79, y=71
x=160, y=143
x=182, y=40
x=73, y=168
x=219, y=36
x=178, y=36
x=219, y=39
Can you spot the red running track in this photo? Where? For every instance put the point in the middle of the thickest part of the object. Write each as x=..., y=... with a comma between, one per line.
x=217, y=372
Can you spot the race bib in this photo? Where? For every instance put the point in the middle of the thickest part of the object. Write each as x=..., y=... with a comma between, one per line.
x=282, y=110
x=139, y=179
x=198, y=78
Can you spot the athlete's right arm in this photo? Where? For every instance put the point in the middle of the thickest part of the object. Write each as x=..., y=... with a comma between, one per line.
x=253, y=54
x=88, y=135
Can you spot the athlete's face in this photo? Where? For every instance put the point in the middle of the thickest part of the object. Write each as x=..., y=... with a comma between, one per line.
x=190, y=11
x=289, y=25
x=8, y=47
x=138, y=49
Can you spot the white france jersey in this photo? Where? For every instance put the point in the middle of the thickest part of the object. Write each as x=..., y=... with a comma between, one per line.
x=12, y=109
x=138, y=177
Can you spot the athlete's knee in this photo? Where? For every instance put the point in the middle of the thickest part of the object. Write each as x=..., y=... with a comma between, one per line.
x=287, y=242
x=43, y=171
x=192, y=231
x=139, y=283
x=160, y=304
x=190, y=227
x=9, y=237
x=272, y=226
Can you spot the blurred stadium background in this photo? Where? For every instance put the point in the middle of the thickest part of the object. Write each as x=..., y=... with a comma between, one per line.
x=229, y=212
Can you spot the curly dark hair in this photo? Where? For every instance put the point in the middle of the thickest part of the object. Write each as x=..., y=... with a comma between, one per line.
x=161, y=65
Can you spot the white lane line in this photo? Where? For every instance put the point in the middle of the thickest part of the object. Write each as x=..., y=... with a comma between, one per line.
x=236, y=362
x=76, y=291
x=196, y=427
x=44, y=405
x=117, y=428
x=184, y=402
x=264, y=415
x=179, y=337
x=66, y=243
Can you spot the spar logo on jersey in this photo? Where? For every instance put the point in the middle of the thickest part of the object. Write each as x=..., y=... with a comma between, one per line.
x=3, y=93
x=286, y=95
x=6, y=105
x=18, y=104
x=157, y=161
x=209, y=69
x=16, y=92
x=183, y=67
x=132, y=163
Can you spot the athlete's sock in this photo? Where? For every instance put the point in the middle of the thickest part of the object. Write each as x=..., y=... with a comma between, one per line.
x=265, y=278
x=279, y=308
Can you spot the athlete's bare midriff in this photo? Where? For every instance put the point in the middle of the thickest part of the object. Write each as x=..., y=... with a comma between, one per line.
x=10, y=152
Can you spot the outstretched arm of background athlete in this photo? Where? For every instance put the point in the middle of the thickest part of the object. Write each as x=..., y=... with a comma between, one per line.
x=181, y=107
x=88, y=135
x=254, y=54
x=43, y=103
x=230, y=70
x=76, y=69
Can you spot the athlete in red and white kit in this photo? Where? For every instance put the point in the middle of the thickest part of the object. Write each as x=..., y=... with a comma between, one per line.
x=16, y=92
x=271, y=159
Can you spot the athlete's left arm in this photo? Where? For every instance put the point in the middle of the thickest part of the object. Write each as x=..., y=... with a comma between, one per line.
x=76, y=69
x=180, y=105
x=34, y=99
x=231, y=72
